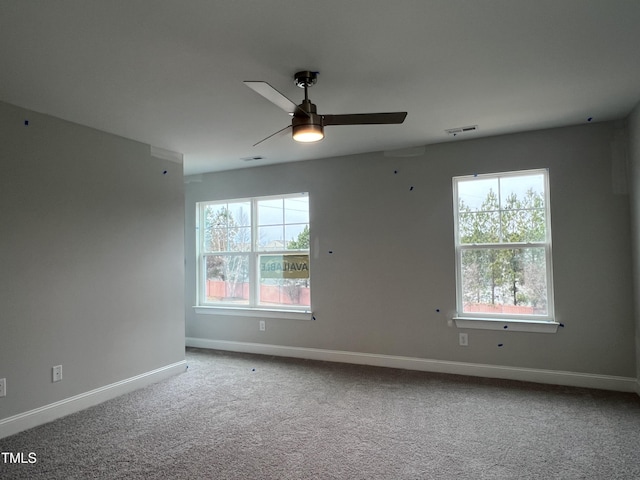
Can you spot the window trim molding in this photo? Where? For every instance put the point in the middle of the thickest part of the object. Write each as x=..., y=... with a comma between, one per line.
x=495, y=321
x=254, y=312
x=302, y=312
x=507, y=324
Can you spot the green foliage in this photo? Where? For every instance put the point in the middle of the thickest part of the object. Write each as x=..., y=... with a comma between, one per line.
x=302, y=242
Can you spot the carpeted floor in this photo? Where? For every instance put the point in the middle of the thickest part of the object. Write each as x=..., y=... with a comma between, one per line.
x=238, y=416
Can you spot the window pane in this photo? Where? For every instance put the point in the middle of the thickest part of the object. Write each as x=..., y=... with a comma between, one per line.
x=521, y=188
x=284, y=280
x=297, y=237
x=240, y=214
x=504, y=281
x=270, y=212
x=236, y=239
x=524, y=225
x=524, y=214
x=478, y=195
x=240, y=239
x=216, y=240
x=481, y=227
x=296, y=210
x=215, y=216
x=226, y=226
x=271, y=238
x=227, y=278
x=215, y=233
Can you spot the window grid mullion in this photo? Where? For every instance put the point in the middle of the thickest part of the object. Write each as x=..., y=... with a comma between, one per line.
x=475, y=246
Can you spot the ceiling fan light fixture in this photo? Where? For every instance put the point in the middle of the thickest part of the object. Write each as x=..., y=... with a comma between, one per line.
x=308, y=133
x=307, y=128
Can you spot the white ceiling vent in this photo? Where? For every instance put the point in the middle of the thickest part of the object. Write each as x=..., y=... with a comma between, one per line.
x=454, y=132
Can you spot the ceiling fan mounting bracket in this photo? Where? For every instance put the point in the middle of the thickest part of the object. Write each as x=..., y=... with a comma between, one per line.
x=305, y=78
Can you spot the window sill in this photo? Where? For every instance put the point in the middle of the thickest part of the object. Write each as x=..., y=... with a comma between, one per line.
x=508, y=325
x=255, y=312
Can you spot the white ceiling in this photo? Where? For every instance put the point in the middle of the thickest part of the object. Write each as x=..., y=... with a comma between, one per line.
x=170, y=72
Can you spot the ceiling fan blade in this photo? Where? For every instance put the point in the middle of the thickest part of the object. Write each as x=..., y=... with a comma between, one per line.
x=364, y=118
x=280, y=132
x=274, y=96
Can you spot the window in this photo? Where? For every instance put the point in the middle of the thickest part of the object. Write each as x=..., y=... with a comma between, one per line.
x=503, y=246
x=254, y=253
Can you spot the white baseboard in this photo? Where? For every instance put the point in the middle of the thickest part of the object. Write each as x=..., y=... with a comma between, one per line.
x=552, y=377
x=48, y=413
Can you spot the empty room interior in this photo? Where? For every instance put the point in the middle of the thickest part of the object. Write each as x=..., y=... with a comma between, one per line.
x=424, y=194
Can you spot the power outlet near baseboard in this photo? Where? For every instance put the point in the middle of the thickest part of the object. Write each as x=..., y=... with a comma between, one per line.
x=263, y=325
x=463, y=339
x=3, y=387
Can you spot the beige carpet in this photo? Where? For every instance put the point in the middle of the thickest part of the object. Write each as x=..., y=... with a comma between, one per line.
x=237, y=416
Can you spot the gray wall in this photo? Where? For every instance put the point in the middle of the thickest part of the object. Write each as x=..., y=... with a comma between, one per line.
x=91, y=259
x=383, y=234
x=634, y=157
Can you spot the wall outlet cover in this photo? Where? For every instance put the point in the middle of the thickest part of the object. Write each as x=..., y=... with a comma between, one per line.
x=56, y=373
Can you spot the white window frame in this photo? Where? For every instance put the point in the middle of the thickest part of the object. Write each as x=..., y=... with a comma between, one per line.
x=498, y=321
x=253, y=307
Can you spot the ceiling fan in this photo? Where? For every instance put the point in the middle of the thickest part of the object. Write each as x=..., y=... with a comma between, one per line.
x=307, y=124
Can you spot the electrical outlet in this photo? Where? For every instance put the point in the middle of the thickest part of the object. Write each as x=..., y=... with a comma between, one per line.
x=3, y=387
x=263, y=325
x=464, y=339
x=56, y=373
